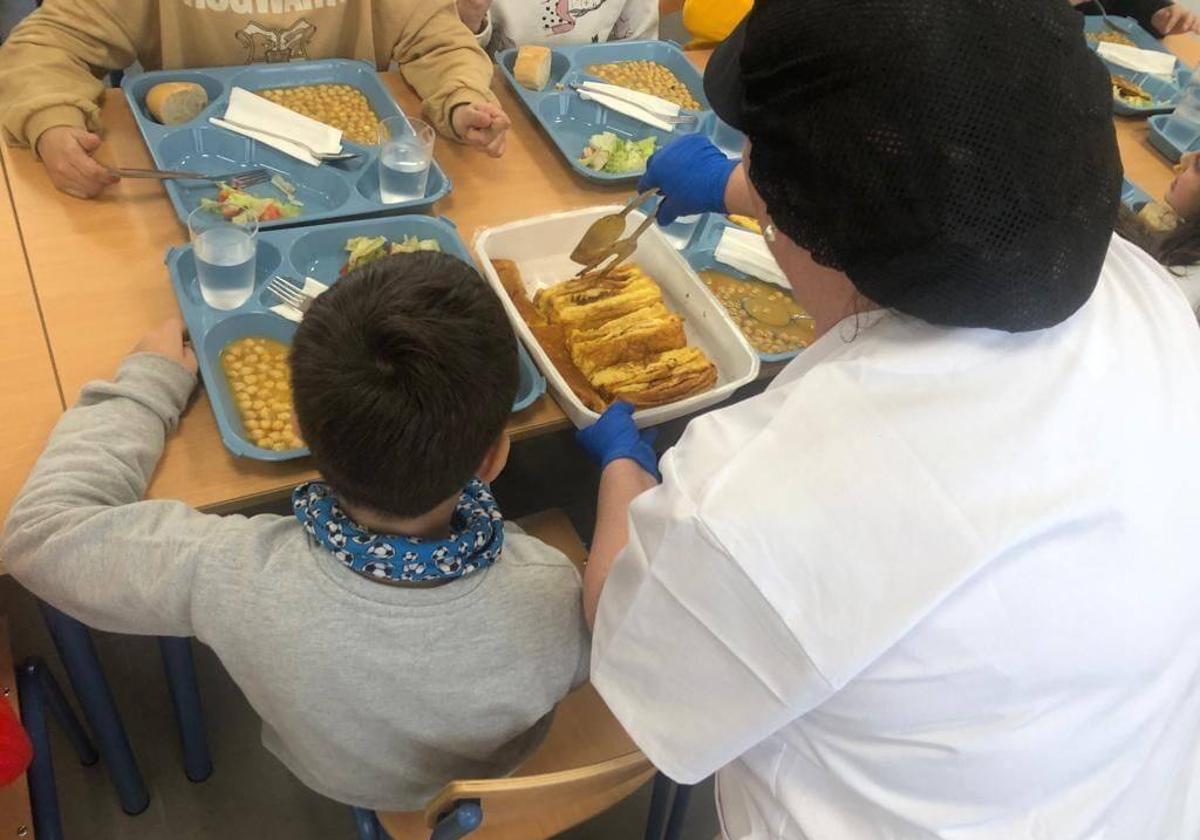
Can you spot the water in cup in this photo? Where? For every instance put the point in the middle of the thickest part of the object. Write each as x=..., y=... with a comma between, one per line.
x=225, y=265
x=405, y=154
x=403, y=172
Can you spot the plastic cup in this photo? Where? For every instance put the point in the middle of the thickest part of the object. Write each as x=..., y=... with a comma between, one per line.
x=405, y=153
x=225, y=256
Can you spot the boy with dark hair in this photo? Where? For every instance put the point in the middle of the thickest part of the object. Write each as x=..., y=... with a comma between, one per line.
x=400, y=634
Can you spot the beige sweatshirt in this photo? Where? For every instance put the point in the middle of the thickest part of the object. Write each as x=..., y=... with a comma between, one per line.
x=52, y=64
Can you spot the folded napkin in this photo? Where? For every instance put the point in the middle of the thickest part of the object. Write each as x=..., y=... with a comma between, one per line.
x=626, y=107
x=247, y=112
x=312, y=288
x=748, y=253
x=654, y=104
x=1141, y=61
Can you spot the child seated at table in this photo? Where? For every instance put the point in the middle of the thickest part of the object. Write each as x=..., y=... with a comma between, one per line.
x=395, y=633
x=52, y=64
x=501, y=24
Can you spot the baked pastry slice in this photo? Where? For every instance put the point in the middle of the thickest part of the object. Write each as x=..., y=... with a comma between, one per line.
x=638, y=335
x=585, y=302
x=661, y=379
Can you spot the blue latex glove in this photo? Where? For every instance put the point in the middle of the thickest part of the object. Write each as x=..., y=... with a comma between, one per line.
x=614, y=436
x=692, y=174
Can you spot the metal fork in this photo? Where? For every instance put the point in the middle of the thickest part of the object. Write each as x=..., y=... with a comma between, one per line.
x=293, y=140
x=1110, y=22
x=290, y=293
x=238, y=180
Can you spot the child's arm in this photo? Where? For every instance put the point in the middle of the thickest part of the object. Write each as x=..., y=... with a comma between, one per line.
x=451, y=73
x=638, y=22
x=78, y=535
x=50, y=70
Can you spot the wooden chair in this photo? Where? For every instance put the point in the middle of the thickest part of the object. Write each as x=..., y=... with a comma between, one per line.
x=586, y=764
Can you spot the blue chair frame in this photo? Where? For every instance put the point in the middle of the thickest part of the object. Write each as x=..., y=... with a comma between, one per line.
x=668, y=808
x=40, y=694
x=73, y=640
x=455, y=824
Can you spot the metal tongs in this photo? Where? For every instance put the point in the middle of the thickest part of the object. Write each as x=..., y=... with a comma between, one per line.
x=601, y=241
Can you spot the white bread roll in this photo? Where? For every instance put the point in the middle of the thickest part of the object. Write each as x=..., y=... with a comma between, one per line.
x=532, y=67
x=172, y=103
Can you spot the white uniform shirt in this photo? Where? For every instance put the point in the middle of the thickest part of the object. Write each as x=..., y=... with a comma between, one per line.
x=933, y=583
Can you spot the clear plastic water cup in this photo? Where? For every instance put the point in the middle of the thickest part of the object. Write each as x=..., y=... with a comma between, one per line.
x=405, y=154
x=1182, y=127
x=225, y=253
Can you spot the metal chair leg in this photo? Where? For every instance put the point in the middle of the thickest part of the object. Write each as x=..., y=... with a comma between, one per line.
x=59, y=709
x=683, y=793
x=367, y=824
x=185, y=698
x=78, y=654
x=43, y=793
x=463, y=818
x=661, y=797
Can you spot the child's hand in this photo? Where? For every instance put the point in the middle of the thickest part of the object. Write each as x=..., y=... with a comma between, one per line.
x=482, y=124
x=1173, y=19
x=472, y=13
x=67, y=152
x=614, y=436
x=168, y=340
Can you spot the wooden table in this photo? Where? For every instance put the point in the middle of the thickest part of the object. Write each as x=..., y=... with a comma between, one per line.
x=1143, y=165
x=101, y=280
x=28, y=388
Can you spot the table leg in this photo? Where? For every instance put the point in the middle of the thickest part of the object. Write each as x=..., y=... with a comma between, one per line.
x=180, y=668
x=78, y=654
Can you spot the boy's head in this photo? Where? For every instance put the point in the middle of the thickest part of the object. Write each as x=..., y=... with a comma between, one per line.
x=403, y=375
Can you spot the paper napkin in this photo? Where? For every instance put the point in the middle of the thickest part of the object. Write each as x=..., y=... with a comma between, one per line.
x=247, y=112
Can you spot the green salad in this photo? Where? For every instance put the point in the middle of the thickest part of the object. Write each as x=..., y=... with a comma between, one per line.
x=241, y=207
x=367, y=249
x=609, y=153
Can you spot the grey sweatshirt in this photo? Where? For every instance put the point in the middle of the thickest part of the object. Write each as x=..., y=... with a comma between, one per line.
x=371, y=694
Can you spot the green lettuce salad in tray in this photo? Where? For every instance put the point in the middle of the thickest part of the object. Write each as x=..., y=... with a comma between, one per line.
x=609, y=153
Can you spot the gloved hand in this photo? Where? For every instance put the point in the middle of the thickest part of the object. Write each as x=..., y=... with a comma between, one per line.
x=692, y=174
x=614, y=436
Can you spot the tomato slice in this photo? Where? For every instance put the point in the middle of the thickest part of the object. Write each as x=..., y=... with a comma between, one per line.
x=271, y=213
x=223, y=195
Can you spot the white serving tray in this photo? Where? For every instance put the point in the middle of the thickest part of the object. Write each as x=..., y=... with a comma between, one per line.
x=540, y=246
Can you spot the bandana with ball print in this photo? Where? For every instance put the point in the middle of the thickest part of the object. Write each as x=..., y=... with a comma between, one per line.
x=476, y=537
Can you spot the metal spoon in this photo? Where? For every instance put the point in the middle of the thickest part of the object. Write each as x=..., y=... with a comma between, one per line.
x=788, y=319
x=603, y=233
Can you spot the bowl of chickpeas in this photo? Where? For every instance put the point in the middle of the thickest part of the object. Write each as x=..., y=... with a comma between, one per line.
x=250, y=385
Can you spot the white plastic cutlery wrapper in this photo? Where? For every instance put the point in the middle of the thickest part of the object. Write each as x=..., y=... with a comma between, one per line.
x=642, y=107
x=247, y=111
x=312, y=288
x=1141, y=61
x=748, y=253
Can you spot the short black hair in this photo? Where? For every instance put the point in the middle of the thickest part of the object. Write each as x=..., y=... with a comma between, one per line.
x=403, y=375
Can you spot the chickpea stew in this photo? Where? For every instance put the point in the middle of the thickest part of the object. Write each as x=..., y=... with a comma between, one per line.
x=341, y=106
x=767, y=315
x=261, y=382
x=647, y=77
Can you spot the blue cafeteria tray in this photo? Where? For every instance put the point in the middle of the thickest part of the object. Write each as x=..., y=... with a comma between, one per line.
x=334, y=190
x=316, y=252
x=1171, y=147
x=1166, y=94
x=1140, y=37
x=1133, y=196
x=570, y=121
x=701, y=254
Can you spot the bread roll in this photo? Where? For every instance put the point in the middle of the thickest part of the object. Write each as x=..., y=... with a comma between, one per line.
x=532, y=67
x=172, y=103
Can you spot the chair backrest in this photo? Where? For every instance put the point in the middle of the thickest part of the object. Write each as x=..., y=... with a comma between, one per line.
x=586, y=764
